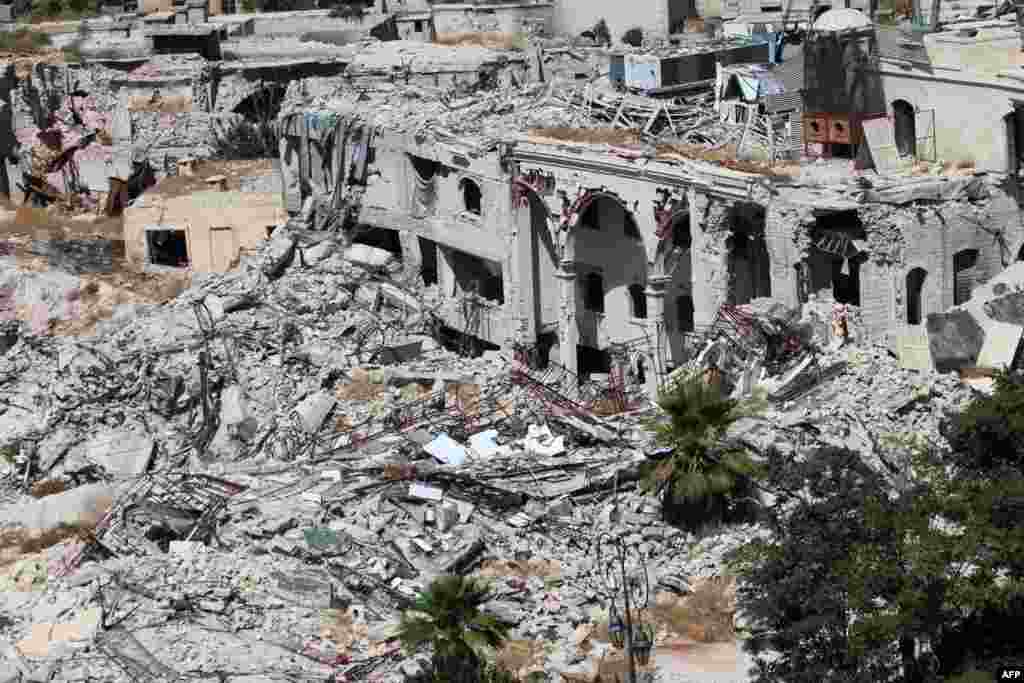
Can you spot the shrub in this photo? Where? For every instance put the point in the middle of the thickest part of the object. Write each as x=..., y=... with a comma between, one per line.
x=857, y=574
x=448, y=616
x=988, y=436
x=23, y=40
x=704, y=475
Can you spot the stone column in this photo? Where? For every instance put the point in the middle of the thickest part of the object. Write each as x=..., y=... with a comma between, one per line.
x=568, y=331
x=529, y=297
x=703, y=264
x=659, y=349
x=781, y=223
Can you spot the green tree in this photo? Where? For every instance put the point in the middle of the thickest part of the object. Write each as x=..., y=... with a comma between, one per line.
x=706, y=476
x=858, y=576
x=448, y=616
x=988, y=437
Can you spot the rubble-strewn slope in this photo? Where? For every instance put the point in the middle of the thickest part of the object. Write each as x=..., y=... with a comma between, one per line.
x=310, y=515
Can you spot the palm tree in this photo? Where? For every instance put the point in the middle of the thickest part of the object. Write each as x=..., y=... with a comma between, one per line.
x=447, y=615
x=704, y=471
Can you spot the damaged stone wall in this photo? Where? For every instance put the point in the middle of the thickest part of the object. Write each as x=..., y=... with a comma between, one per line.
x=44, y=90
x=168, y=103
x=898, y=240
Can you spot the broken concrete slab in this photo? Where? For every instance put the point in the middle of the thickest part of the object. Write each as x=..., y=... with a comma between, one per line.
x=1008, y=308
x=55, y=446
x=1002, y=343
x=367, y=256
x=123, y=452
x=312, y=411
x=83, y=506
x=402, y=353
x=955, y=339
x=913, y=350
x=279, y=253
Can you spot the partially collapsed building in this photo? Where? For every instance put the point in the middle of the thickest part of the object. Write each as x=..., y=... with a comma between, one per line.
x=582, y=240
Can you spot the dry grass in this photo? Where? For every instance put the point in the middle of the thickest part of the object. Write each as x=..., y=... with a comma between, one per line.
x=359, y=390
x=523, y=569
x=175, y=104
x=24, y=41
x=183, y=185
x=465, y=397
x=16, y=543
x=590, y=136
x=339, y=626
x=705, y=615
x=393, y=472
x=606, y=407
x=725, y=156
x=47, y=487
x=494, y=40
x=522, y=656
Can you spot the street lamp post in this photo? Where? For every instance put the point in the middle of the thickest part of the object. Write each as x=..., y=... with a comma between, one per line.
x=613, y=556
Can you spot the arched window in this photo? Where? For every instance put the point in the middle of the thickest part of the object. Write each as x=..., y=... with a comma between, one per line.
x=684, y=313
x=638, y=301
x=593, y=293
x=471, y=196
x=965, y=273
x=915, y=288
x=905, y=127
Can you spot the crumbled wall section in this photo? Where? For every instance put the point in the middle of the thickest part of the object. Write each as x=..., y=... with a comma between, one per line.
x=900, y=239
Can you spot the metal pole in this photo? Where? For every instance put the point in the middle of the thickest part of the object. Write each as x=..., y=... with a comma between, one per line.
x=629, y=616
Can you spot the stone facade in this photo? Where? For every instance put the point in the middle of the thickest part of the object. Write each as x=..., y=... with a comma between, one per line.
x=589, y=254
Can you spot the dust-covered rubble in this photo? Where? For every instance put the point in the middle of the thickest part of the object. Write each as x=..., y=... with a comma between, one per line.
x=250, y=487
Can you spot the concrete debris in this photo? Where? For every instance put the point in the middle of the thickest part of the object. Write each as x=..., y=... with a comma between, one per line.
x=284, y=454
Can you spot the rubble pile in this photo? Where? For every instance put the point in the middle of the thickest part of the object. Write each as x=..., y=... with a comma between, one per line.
x=256, y=490
x=261, y=474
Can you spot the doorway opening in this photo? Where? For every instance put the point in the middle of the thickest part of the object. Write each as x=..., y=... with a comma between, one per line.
x=638, y=301
x=905, y=127
x=593, y=293
x=915, y=289
x=428, y=262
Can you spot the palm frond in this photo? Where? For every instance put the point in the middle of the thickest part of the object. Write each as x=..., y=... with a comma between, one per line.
x=690, y=486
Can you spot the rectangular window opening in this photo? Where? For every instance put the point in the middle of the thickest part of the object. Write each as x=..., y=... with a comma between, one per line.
x=167, y=248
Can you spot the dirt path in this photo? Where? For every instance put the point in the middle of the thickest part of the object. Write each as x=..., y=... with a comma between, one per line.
x=687, y=661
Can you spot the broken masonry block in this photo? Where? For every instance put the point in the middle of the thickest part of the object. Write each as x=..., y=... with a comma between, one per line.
x=312, y=411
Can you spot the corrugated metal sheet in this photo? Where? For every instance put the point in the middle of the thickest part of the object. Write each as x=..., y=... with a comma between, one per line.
x=786, y=102
x=796, y=130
